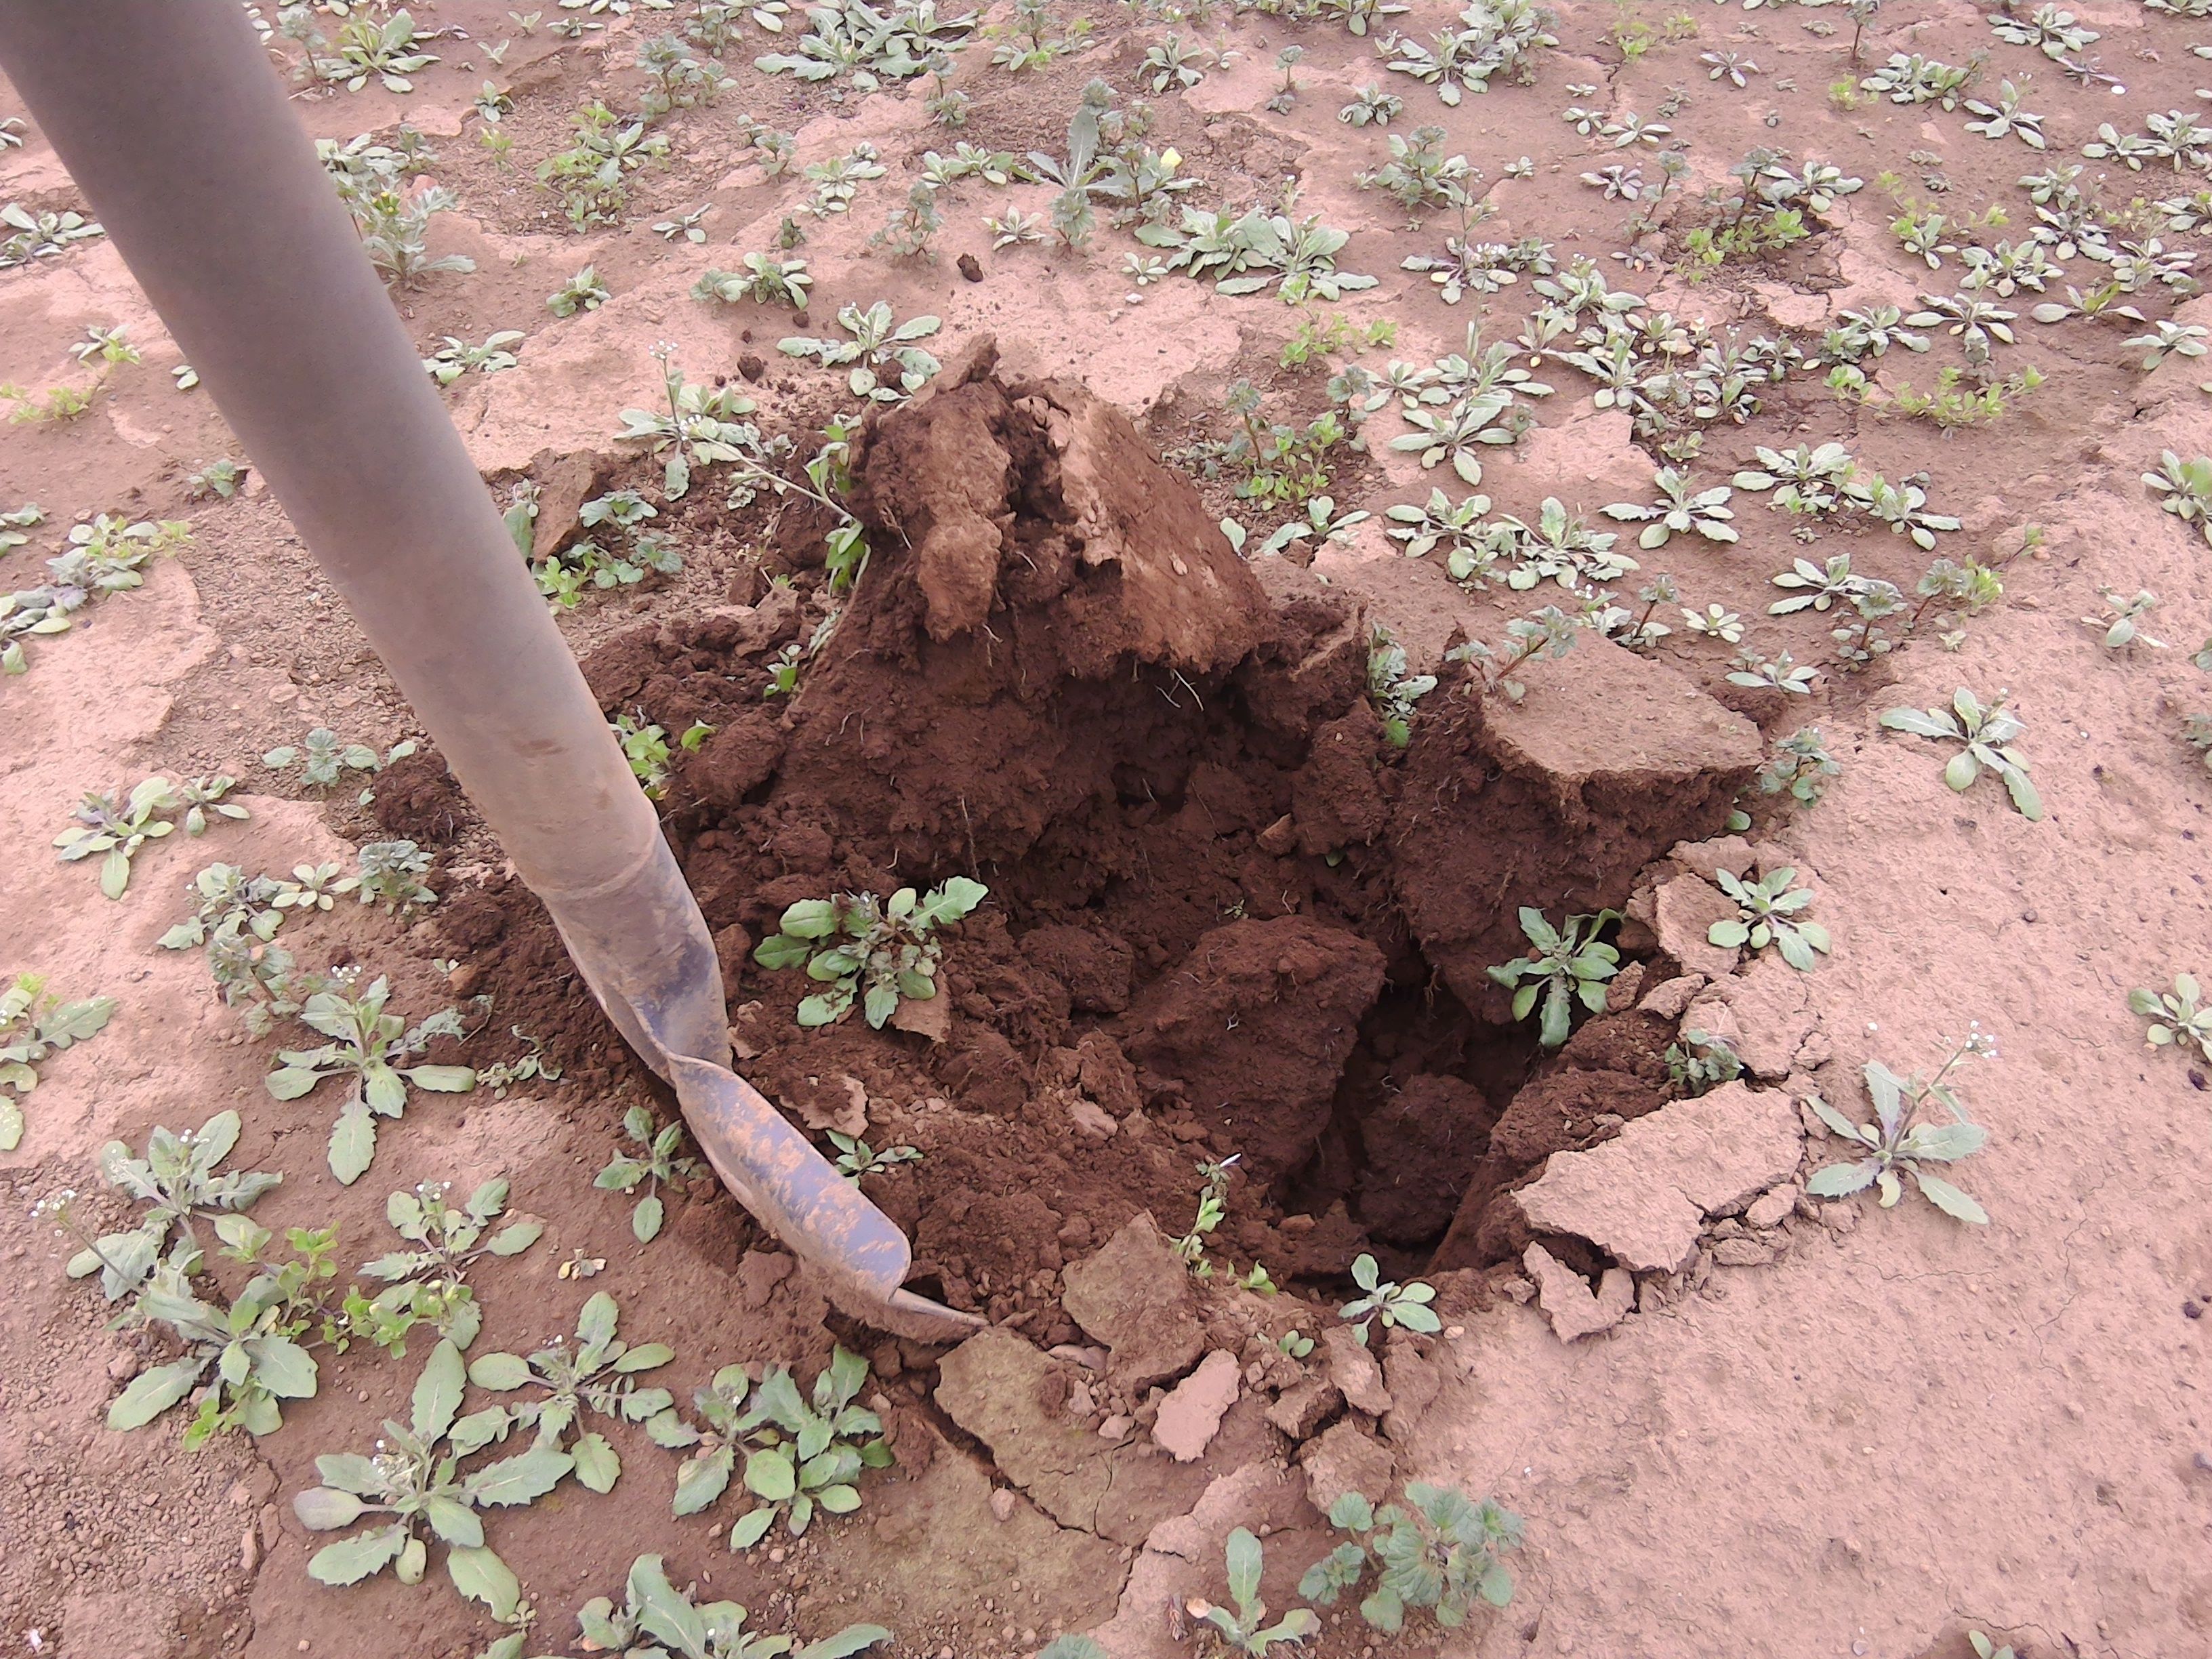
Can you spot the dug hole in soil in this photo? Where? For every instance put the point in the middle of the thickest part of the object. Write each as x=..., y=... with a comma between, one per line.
x=1226, y=917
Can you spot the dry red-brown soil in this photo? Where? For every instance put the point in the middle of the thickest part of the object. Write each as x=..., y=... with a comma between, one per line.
x=1230, y=920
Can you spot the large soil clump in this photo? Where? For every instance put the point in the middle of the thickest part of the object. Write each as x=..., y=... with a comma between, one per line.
x=1226, y=915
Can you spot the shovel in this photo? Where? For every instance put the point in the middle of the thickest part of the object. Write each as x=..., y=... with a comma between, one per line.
x=171, y=120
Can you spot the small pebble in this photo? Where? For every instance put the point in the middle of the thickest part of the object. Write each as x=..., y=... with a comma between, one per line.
x=1002, y=1502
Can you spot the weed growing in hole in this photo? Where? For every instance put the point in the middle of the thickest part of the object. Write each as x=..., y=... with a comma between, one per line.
x=2196, y=733
x=1800, y=766
x=117, y=829
x=1246, y=254
x=564, y=577
x=1783, y=673
x=1564, y=966
x=2121, y=626
x=1950, y=408
x=176, y=1180
x=389, y=51
x=40, y=235
x=391, y=216
x=324, y=758
x=582, y=292
x=1246, y=1630
x=365, y=1043
x=1396, y=1305
x=12, y=525
x=654, y=1165
x=414, y=1479
x=855, y=1158
x=589, y=175
x=2185, y=489
x=1679, y=510
x=1314, y=342
x=428, y=1285
x=597, y=1373
x=1171, y=66
x=1985, y=734
x=852, y=41
x=249, y=1344
x=657, y=1620
x=1213, y=1209
x=2177, y=1018
x=219, y=478
x=1281, y=464
x=1023, y=42
x=1495, y=37
x=698, y=428
x=888, y=952
x=1391, y=688
x=801, y=1454
x=1546, y=636
x=1895, y=1142
x=907, y=231
x=1442, y=1552
x=32, y=1026
x=763, y=279
x=107, y=557
x=457, y=357
x=884, y=363
x=1700, y=1062
x=1767, y=914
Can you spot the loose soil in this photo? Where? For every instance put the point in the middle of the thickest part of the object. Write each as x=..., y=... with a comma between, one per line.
x=1225, y=916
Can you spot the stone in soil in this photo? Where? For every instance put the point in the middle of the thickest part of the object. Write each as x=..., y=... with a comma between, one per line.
x=1566, y=1299
x=1351, y=1365
x=1643, y=1195
x=1346, y=1458
x=1194, y=1407
x=1135, y=1296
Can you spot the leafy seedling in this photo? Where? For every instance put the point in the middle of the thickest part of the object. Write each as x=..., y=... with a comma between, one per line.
x=117, y=829
x=1246, y=1630
x=1701, y=1062
x=1679, y=511
x=2121, y=626
x=176, y=1180
x=698, y=428
x=855, y=1158
x=2185, y=489
x=389, y=873
x=801, y=1455
x=429, y=1283
x=248, y=1346
x=365, y=1043
x=656, y=1622
x=415, y=1480
x=1986, y=734
x=655, y=1164
x=1767, y=915
x=33, y=1025
x=1442, y=1553
x=2177, y=1018
x=1894, y=1142
x=582, y=292
x=1801, y=766
x=1564, y=968
x=764, y=280
x=881, y=360
x=597, y=1373
x=324, y=757
x=1395, y=1304
x=888, y=950
x=1394, y=690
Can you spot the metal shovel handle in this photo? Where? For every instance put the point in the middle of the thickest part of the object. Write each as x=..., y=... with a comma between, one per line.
x=168, y=115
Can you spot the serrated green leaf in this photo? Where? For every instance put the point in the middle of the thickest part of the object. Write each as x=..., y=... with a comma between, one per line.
x=352, y=1559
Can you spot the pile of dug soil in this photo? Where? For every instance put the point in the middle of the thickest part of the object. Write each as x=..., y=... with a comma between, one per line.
x=1225, y=914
